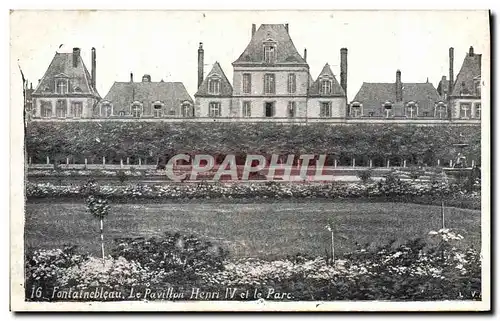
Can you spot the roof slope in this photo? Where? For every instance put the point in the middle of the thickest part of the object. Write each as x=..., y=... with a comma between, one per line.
x=172, y=94
x=62, y=65
x=373, y=95
x=226, y=90
x=442, y=88
x=471, y=68
x=286, y=53
x=337, y=90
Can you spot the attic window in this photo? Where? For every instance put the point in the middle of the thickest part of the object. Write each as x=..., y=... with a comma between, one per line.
x=440, y=110
x=269, y=53
x=157, y=110
x=356, y=109
x=186, y=109
x=411, y=109
x=326, y=87
x=214, y=85
x=61, y=86
x=77, y=89
x=136, y=110
x=477, y=87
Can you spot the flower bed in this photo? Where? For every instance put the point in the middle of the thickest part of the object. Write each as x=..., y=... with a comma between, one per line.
x=426, y=193
x=424, y=269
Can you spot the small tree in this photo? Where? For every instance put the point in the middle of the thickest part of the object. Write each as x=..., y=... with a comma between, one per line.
x=331, y=227
x=98, y=206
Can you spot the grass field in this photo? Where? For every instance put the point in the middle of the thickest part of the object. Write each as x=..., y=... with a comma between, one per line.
x=267, y=230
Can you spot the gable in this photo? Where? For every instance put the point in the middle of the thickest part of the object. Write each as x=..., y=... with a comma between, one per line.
x=326, y=73
x=226, y=90
x=470, y=70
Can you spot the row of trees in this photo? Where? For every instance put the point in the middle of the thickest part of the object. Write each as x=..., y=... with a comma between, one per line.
x=150, y=141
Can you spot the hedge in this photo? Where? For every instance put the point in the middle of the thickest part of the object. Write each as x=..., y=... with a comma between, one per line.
x=149, y=141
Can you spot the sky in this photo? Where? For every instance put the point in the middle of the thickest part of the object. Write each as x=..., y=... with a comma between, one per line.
x=164, y=44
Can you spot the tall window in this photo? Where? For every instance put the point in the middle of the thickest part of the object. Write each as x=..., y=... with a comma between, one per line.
x=61, y=109
x=187, y=110
x=61, y=86
x=269, y=84
x=465, y=111
x=247, y=83
x=106, y=110
x=477, y=111
x=214, y=109
x=326, y=87
x=157, y=112
x=292, y=109
x=440, y=111
x=269, y=53
x=46, y=109
x=292, y=83
x=388, y=109
x=269, y=110
x=77, y=109
x=214, y=86
x=136, y=110
x=325, y=109
x=411, y=110
x=246, y=109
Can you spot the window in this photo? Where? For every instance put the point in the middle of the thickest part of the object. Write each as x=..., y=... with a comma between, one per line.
x=269, y=110
x=292, y=83
x=388, y=109
x=291, y=109
x=157, y=112
x=247, y=83
x=247, y=109
x=136, y=110
x=214, y=86
x=465, y=110
x=46, y=109
x=325, y=109
x=355, y=109
x=171, y=112
x=106, y=110
x=269, y=84
x=440, y=111
x=326, y=87
x=121, y=113
x=477, y=112
x=61, y=109
x=477, y=87
x=61, y=86
x=411, y=110
x=214, y=109
x=77, y=109
x=371, y=114
x=426, y=114
x=186, y=110
x=77, y=89
x=269, y=53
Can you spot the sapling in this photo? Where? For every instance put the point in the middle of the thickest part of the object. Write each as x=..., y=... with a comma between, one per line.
x=330, y=227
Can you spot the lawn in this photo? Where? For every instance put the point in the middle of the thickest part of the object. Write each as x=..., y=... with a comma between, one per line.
x=265, y=230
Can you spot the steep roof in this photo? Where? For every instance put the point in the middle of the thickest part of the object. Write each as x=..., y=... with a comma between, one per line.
x=226, y=90
x=471, y=69
x=286, y=53
x=337, y=90
x=443, y=85
x=62, y=66
x=172, y=94
x=373, y=95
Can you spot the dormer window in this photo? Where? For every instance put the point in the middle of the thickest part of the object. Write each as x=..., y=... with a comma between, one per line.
x=388, y=109
x=106, y=109
x=136, y=110
x=356, y=109
x=326, y=87
x=61, y=86
x=440, y=111
x=214, y=85
x=157, y=110
x=186, y=109
x=270, y=52
x=77, y=89
x=411, y=109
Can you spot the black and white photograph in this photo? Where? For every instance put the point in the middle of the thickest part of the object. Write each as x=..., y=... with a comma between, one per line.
x=250, y=160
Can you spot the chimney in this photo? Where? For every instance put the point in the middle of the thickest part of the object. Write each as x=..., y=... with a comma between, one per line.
x=451, y=82
x=76, y=55
x=131, y=77
x=343, y=69
x=305, y=54
x=93, y=70
x=399, y=87
x=471, y=51
x=146, y=78
x=200, y=64
x=253, y=29
x=286, y=27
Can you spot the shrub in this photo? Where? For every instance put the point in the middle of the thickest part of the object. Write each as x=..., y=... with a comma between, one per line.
x=365, y=175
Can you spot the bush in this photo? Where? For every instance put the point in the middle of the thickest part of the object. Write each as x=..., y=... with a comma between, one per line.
x=365, y=175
